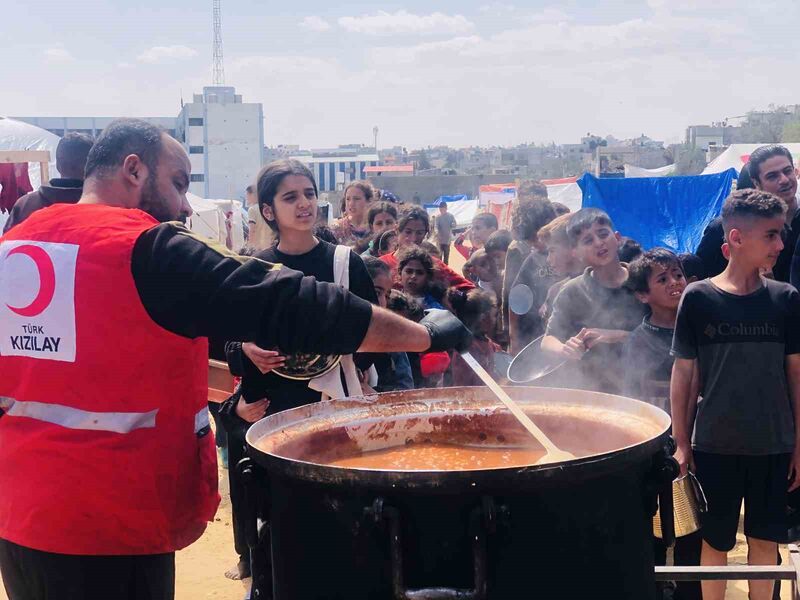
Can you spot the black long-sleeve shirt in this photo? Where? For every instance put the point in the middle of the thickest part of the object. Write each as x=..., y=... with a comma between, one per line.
x=710, y=251
x=195, y=288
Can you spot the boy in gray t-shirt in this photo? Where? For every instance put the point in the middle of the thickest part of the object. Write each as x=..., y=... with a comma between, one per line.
x=741, y=333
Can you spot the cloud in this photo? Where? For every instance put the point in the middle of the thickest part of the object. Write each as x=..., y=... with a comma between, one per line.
x=548, y=15
x=58, y=55
x=497, y=7
x=315, y=23
x=404, y=22
x=161, y=54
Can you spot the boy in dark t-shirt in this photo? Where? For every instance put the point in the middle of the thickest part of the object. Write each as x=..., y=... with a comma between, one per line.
x=741, y=332
x=594, y=312
x=658, y=280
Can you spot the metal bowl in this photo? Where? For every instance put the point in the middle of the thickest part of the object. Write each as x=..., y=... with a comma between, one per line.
x=303, y=367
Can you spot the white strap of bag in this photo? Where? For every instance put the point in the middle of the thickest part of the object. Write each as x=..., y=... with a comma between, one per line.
x=330, y=384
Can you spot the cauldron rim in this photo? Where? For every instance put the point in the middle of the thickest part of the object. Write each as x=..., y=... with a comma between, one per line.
x=591, y=466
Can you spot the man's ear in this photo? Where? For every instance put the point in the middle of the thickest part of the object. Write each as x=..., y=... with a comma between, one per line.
x=134, y=171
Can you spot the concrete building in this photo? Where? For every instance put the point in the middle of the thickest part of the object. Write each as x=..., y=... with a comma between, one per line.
x=225, y=141
x=223, y=136
x=335, y=168
x=701, y=136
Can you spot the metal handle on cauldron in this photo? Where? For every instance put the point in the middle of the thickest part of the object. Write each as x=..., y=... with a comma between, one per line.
x=667, y=470
x=250, y=516
x=480, y=516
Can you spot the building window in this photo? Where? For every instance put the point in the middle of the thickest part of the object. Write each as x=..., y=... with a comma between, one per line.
x=197, y=122
x=322, y=177
x=331, y=176
x=197, y=177
x=195, y=149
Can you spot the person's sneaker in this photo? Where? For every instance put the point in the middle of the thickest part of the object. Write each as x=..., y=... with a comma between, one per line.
x=223, y=457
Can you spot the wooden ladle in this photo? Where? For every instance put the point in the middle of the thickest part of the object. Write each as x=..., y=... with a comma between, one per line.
x=552, y=452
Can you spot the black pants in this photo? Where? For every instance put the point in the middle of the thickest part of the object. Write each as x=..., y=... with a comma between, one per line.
x=687, y=553
x=445, y=248
x=34, y=575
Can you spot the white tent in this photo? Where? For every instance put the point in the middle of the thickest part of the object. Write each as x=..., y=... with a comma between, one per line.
x=462, y=210
x=16, y=135
x=738, y=154
x=566, y=191
x=209, y=220
x=633, y=171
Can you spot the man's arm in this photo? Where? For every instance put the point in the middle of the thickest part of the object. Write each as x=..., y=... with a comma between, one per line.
x=682, y=406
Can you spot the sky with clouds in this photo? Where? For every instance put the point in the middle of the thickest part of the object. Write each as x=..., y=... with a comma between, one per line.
x=457, y=73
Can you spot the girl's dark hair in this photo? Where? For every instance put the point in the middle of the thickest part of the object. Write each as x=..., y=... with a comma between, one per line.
x=375, y=267
x=406, y=255
x=431, y=249
x=628, y=250
x=414, y=213
x=693, y=265
x=530, y=215
x=382, y=242
x=324, y=233
x=470, y=306
x=745, y=182
x=364, y=186
x=380, y=207
x=271, y=176
x=402, y=304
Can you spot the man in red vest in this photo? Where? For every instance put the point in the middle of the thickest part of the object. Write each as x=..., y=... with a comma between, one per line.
x=107, y=465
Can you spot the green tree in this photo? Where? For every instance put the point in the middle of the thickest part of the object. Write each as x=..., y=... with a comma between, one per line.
x=791, y=132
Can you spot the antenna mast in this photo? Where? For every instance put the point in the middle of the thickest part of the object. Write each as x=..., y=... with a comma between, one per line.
x=218, y=69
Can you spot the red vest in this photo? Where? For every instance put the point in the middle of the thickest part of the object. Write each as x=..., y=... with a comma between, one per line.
x=105, y=447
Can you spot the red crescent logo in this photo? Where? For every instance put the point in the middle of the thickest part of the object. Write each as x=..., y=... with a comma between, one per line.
x=47, y=281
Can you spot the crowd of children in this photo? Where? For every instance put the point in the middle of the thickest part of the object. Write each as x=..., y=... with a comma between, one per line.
x=618, y=315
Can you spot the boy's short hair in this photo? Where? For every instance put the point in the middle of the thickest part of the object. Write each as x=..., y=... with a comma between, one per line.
x=628, y=250
x=555, y=231
x=488, y=220
x=583, y=220
x=499, y=240
x=431, y=249
x=325, y=233
x=692, y=265
x=750, y=203
x=561, y=209
x=530, y=215
x=641, y=268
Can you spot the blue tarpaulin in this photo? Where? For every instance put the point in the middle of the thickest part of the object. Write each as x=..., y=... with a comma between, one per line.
x=660, y=211
x=448, y=199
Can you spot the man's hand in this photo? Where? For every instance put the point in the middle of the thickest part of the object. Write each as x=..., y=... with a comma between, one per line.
x=685, y=458
x=794, y=470
x=264, y=360
x=251, y=412
x=446, y=331
x=592, y=337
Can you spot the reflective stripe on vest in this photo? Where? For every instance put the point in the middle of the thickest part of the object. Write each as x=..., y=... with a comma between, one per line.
x=75, y=418
x=201, y=420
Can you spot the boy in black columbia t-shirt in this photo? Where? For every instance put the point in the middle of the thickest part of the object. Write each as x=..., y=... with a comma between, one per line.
x=742, y=334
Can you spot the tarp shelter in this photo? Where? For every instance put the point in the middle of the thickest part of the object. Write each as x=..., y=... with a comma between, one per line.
x=209, y=220
x=498, y=199
x=737, y=155
x=566, y=191
x=633, y=171
x=660, y=211
x=16, y=135
x=460, y=206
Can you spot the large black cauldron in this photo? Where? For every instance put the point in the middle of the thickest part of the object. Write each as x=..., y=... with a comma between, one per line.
x=579, y=529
